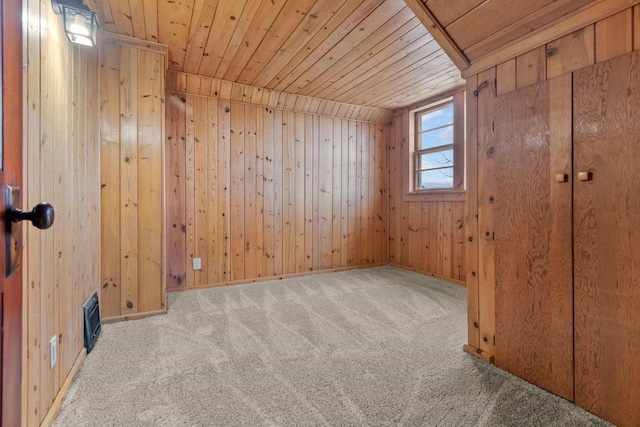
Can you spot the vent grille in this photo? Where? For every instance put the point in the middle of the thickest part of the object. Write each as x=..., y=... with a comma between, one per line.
x=92, y=326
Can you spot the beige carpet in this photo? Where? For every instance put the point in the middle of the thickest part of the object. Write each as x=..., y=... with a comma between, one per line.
x=379, y=347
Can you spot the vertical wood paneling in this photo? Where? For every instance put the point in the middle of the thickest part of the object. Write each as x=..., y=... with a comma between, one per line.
x=571, y=52
x=336, y=192
x=132, y=195
x=175, y=190
x=259, y=171
x=201, y=196
x=352, y=194
x=486, y=209
x=310, y=226
x=150, y=181
x=251, y=195
x=110, y=178
x=506, y=77
x=299, y=192
x=358, y=194
x=288, y=192
x=128, y=181
x=423, y=235
x=190, y=191
x=212, y=142
x=237, y=165
x=614, y=35
x=605, y=39
x=325, y=180
x=61, y=155
x=224, y=192
x=394, y=196
x=32, y=275
x=269, y=192
x=531, y=67
x=288, y=188
x=278, y=248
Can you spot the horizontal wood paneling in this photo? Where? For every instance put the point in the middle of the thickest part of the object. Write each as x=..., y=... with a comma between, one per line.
x=427, y=236
x=61, y=164
x=259, y=192
x=237, y=92
x=364, y=52
x=131, y=191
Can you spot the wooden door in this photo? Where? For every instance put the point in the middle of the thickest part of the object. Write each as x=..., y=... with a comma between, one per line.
x=607, y=239
x=534, y=297
x=10, y=173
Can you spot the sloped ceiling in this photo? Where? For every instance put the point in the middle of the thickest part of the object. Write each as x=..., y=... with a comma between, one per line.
x=478, y=34
x=367, y=52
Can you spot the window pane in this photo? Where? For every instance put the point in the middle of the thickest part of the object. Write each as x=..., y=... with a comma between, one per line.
x=436, y=138
x=439, y=178
x=438, y=159
x=436, y=118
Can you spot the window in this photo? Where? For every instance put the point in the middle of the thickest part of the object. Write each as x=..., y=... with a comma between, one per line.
x=433, y=150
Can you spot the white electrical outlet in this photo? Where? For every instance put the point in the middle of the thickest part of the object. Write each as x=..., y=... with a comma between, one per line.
x=197, y=263
x=53, y=351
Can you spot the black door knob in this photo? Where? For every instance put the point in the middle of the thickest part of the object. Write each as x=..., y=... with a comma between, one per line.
x=41, y=216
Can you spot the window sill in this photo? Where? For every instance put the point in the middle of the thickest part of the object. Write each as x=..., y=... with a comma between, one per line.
x=435, y=196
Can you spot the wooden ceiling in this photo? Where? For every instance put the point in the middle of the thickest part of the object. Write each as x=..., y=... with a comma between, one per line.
x=478, y=34
x=366, y=52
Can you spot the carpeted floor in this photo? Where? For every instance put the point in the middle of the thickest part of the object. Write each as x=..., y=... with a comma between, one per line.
x=379, y=347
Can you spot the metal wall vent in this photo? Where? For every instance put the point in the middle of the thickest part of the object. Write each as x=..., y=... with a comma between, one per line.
x=92, y=326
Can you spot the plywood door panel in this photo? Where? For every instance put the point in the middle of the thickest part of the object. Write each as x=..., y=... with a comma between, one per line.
x=606, y=233
x=534, y=296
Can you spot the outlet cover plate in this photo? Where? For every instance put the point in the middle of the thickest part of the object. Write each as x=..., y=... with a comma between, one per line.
x=197, y=263
x=53, y=351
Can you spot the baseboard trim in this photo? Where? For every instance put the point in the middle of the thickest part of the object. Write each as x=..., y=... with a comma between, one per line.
x=54, y=410
x=479, y=353
x=133, y=316
x=279, y=277
x=426, y=273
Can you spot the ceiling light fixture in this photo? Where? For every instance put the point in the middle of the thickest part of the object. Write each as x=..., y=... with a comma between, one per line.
x=80, y=23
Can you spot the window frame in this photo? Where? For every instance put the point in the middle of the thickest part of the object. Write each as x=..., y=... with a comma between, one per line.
x=411, y=154
x=418, y=152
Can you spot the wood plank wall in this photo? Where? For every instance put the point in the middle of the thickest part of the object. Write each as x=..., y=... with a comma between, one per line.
x=132, y=177
x=605, y=39
x=238, y=92
x=426, y=236
x=61, y=164
x=257, y=192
